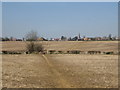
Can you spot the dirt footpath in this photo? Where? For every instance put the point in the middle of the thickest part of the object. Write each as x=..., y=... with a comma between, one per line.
x=59, y=71
x=87, y=71
x=30, y=71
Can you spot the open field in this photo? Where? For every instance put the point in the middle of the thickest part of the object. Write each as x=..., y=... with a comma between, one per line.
x=60, y=71
x=64, y=45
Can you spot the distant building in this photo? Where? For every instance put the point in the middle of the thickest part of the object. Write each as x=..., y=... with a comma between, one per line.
x=98, y=38
x=18, y=39
x=75, y=38
x=85, y=39
x=41, y=39
x=63, y=38
x=69, y=39
x=51, y=39
x=13, y=39
x=79, y=38
x=56, y=39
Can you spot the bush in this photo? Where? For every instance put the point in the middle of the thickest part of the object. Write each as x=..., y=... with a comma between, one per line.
x=52, y=51
x=30, y=47
x=38, y=48
x=75, y=52
x=109, y=52
x=34, y=48
x=60, y=52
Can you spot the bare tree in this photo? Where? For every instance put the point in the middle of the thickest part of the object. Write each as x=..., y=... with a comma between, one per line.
x=31, y=36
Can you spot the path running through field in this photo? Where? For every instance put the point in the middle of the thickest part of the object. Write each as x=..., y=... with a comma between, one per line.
x=62, y=82
x=59, y=71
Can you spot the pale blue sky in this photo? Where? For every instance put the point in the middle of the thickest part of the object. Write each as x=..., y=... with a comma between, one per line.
x=52, y=19
x=0, y=19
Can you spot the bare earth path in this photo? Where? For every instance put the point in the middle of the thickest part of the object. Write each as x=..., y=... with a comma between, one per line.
x=28, y=71
x=60, y=79
x=59, y=71
x=87, y=71
x=31, y=71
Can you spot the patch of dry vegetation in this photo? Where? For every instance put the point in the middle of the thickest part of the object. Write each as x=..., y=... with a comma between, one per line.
x=88, y=71
x=65, y=45
x=60, y=71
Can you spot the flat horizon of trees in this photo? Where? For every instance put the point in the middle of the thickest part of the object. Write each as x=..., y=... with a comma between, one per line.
x=33, y=36
x=9, y=39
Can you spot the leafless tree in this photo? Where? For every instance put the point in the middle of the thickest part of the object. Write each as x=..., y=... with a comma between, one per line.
x=31, y=36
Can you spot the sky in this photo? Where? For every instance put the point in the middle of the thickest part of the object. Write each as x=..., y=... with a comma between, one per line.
x=0, y=19
x=56, y=19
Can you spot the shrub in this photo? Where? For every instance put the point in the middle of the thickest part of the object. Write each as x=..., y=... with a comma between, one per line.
x=52, y=51
x=75, y=52
x=109, y=52
x=38, y=48
x=30, y=47
x=34, y=48
x=60, y=52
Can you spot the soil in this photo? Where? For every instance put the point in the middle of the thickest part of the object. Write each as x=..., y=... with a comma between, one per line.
x=59, y=71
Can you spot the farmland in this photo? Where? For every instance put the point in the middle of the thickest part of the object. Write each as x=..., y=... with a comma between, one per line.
x=61, y=70
x=64, y=45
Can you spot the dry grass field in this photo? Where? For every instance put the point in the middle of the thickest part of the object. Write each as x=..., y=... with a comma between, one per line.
x=61, y=70
x=64, y=45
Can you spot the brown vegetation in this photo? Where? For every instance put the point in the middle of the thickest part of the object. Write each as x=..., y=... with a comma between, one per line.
x=103, y=46
x=60, y=71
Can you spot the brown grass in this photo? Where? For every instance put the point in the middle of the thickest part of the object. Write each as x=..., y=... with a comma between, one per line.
x=65, y=45
x=60, y=71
